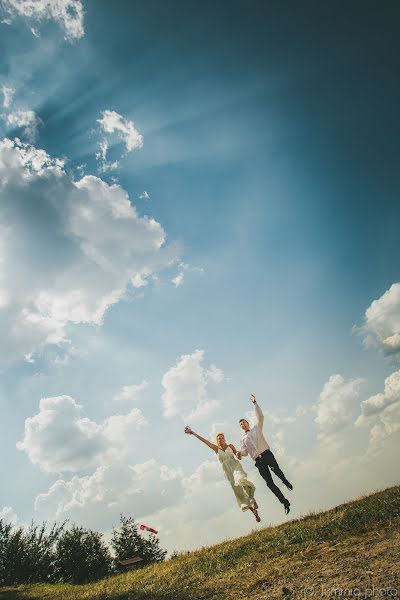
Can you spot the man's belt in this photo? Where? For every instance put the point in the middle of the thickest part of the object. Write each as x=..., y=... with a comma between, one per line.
x=262, y=454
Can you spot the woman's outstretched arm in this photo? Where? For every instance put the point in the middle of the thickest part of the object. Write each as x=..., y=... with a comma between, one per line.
x=207, y=442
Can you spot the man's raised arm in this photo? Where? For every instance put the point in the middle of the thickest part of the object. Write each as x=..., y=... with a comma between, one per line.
x=259, y=412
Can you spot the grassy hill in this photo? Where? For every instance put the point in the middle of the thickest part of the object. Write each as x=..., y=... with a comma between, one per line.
x=350, y=551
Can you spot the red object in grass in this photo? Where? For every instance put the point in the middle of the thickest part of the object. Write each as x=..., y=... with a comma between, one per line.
x=147, y=528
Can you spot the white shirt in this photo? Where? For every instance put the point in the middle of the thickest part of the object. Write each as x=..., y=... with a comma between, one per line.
x=253, y=441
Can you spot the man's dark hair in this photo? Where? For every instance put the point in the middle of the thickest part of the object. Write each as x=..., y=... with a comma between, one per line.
x=240, y=420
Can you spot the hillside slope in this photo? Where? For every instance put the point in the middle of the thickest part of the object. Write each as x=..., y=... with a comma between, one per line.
x=350, y=551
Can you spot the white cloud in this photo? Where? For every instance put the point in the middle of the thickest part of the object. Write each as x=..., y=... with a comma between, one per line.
x=197, y=508
x=101, y=497
x=8, y=515
x=383, y=408
x=106, y=167
x=216, y=375
x=158, y=494
x=207, y=472
x=183, y=269
x=102, y=154
x=130, y=393
x=138, y=281
x=170, y=474
x=8, y=93
x=377, y=438
x=112, y=122
x=63, y=496
x=186, y=387
x=336, y=405
x=178, y=280
x=67, y=13
x=84, y=246
x=27, y=120
x=382, y=321
x=58, y=438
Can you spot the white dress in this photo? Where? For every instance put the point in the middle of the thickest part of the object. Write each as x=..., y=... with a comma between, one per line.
x=237, y=477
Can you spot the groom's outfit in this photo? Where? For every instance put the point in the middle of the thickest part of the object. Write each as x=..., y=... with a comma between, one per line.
x=254, y=443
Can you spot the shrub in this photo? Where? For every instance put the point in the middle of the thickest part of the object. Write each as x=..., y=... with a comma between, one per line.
x=27, y=555
x=126, y=541
x=82, y=556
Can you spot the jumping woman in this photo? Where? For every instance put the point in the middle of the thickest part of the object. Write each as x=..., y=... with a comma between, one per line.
x=234, y=472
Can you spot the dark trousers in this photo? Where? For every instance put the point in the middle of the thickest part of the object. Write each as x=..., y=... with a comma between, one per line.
x=264, y=463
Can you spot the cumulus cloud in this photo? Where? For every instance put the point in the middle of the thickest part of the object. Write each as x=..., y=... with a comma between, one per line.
x=138, y=489
x=8, y=515
x=112, y=122
x=8, y=94
x=186, y=387
x=206, y=497
x=27, y=121
x=66, y=13
x=382, y=322
x=59, y=438
x=377, y=437
x=335, y=408
x=215, y=374
x=382, y=410
x=153, y=491
x=206, y=473
x=65, y=495
x=84, y=246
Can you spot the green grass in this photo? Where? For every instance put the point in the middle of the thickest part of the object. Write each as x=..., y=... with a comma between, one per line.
x=355, y=544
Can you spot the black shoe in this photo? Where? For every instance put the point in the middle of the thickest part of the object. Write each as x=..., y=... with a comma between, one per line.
x=288, y=485
x=287, y=507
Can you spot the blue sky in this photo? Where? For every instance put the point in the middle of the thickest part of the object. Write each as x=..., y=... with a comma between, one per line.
x=267, y=144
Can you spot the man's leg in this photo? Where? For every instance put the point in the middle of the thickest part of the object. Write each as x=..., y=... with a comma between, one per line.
x=265, y=474
x=271, y=462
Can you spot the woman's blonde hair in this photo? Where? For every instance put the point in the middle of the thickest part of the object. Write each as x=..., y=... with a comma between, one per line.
x=217, y=436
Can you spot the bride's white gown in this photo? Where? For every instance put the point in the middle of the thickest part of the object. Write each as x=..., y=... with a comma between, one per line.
x=237, y=477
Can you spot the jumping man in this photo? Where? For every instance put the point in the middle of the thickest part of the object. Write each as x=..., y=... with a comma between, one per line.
x=254, y=443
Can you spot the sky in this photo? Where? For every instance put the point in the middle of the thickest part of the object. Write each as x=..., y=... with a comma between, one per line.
x=198, y=201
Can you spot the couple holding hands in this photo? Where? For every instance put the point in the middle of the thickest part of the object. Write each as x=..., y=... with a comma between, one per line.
x=253, y=442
